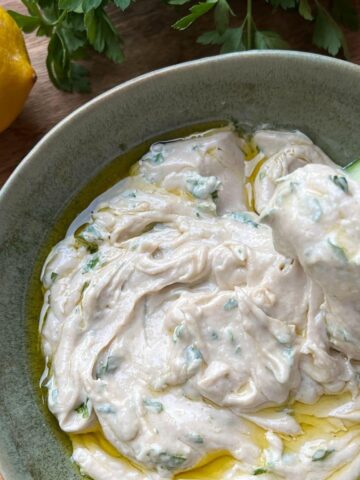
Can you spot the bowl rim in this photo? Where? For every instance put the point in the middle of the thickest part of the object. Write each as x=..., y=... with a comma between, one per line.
x=311, y=58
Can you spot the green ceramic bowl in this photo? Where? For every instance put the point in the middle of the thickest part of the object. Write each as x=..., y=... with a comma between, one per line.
x=315, y=94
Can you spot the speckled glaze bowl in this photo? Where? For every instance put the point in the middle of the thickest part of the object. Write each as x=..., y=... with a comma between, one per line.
x=315, y=94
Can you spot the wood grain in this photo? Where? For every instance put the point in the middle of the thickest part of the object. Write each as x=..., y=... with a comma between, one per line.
x=150, y=43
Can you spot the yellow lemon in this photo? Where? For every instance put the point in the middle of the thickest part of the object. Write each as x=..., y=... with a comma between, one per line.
x=17, y=76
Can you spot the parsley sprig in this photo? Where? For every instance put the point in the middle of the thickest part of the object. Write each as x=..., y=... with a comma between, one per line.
x=77, y=27
x=327, y=33
x=74, y=27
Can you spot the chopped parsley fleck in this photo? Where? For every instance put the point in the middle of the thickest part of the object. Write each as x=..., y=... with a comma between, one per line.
x=214, y=335
x=338, y=251
x=178, y=332
x=83, y=409
x=155, y=158
x=192, y=354
x=106, y=408
x=153, y=405
x=91, y=263
x=215, y=195
x=54, y=276
x=110, y=365
x=171, y=462
x=321, y=454
x=88, y=236
x=340, y=182
x=231, y=304
x=259, y=471
x=245, y=218
x=196, y=438
x=315, y=208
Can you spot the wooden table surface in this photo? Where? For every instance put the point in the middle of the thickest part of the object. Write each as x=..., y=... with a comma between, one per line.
x=150, y=43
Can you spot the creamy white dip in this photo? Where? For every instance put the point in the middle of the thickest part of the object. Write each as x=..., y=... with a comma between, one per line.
x=178, y=325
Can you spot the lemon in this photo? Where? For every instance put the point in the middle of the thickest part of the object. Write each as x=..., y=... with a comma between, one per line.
x=17, y=76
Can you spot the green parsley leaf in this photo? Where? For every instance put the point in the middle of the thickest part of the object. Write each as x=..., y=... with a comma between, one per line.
x=88, y=5
x=122, y=4
x=222, y=15
x=327, y=33
x=70, y=5
x=265, y=39
x=102, y=35
x=27, y=23
x=153, y=406
x=196, y=11
x=305, y=10
x=231, y=40
x=72, y=39
x=53, y=276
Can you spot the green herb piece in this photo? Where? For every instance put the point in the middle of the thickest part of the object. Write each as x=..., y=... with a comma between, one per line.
x=129, y=194
x=83, y=409
x=222, y=14
x=155, y=158
x=266, y=39
x=305, y=10
x=259, y=471
x=315, y=207
x=123, y=4
x=288, y=352
x=91, y=263
x=196, y=11
x=231, y=304
x=321, y=454
x=231, y=40
x=215, y=195
x=76, y=28
x=244, y=217
x=340, y=182
x=178, y=332
x=214, y=335
x=230, y=335
x=27, y=23
x=327, y=33
x=201, y=187
x=54, y=276
x=153, y=405
x=169, y=461
x=107, y=367
x=193, y=355
x=338, y=251
x=196, y=438
x=89, y=237
x=106, y=408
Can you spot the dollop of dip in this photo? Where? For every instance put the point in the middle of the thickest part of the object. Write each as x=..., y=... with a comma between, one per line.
x=203, y=315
